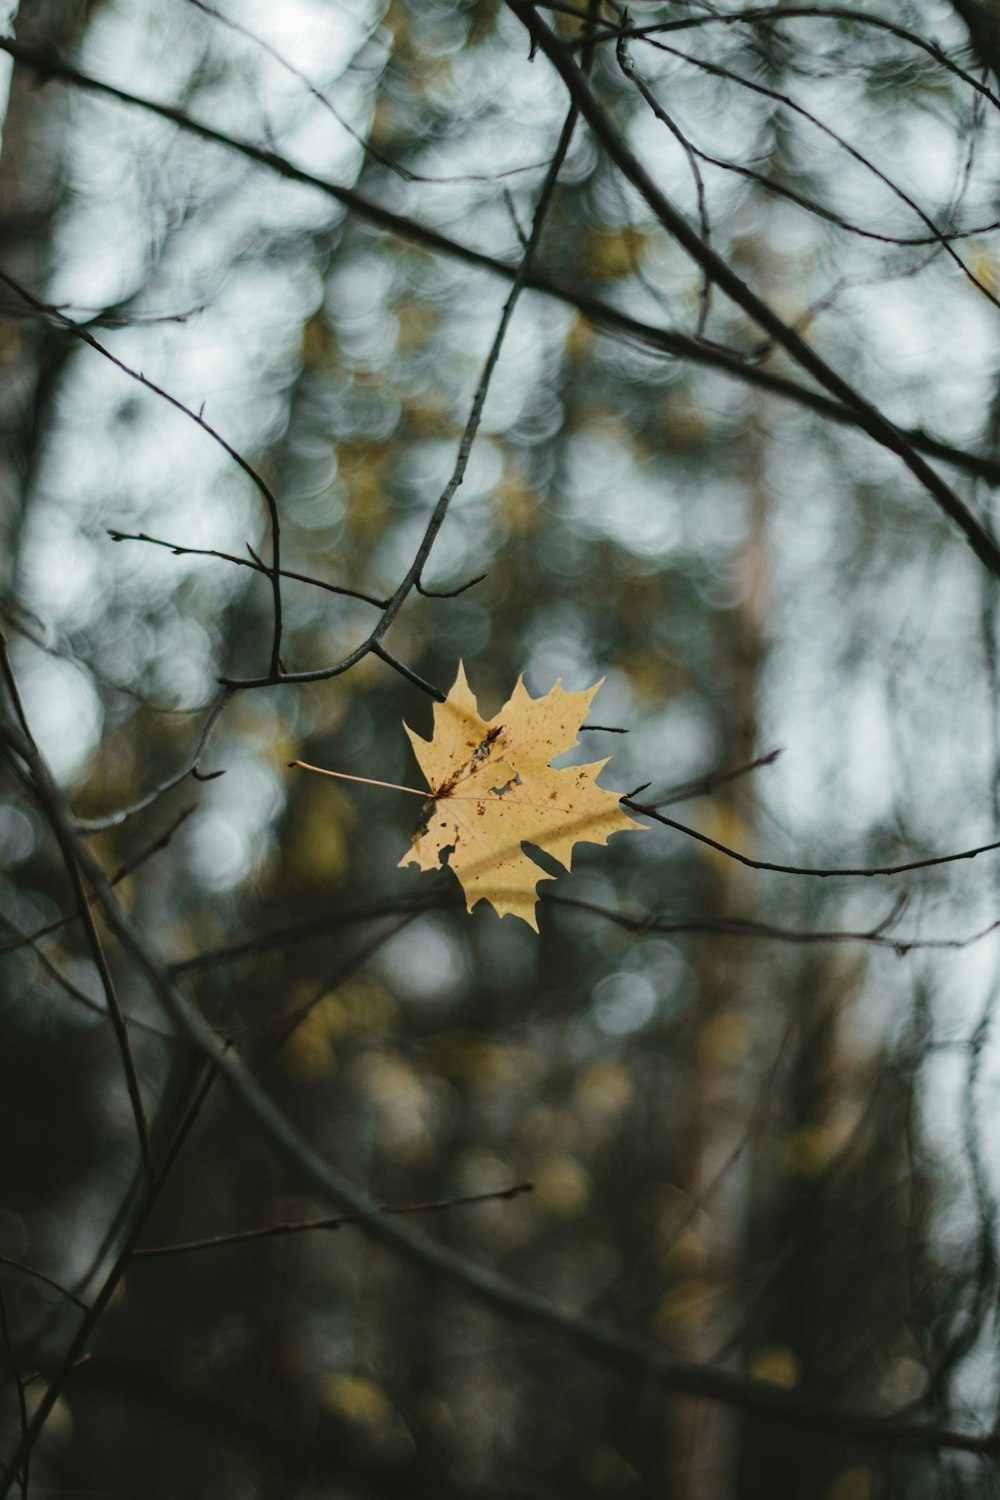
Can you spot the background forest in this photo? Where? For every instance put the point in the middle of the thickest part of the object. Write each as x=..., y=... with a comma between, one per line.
x=343, y=340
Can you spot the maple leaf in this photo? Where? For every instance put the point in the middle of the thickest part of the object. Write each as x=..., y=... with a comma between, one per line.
x=491, y=786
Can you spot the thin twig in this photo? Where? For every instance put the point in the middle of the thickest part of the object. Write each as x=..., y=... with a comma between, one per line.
x=702, y=785
x=447, y=896
x=29, y=939
x=46, y=64
x=50, y=1281
x=390, y=786
x=752, y=15
x=469, y=433
x=406, y=173
x=942, y=239
x=48, y=796
x=870, y=417
x=277, y=1231
x=316, y=927
x=742, y=927
x=78, y=1344
x=819, y=871
x=693, y=154
x=451, y=593
x=89, y=826
x=22, y=1405
x=404, y=671
x=242, y=562
x=197, y=417
x=935, y=236
x=98, y=317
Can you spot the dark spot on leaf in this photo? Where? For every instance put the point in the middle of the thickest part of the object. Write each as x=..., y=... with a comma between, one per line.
x=426, y=813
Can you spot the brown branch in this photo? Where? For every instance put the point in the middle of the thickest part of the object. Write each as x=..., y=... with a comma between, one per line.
x=129, y=866
x=693, y=155
x=451, y=593
x=97, y=317
x=936, y=235
x=404, y=671
x=943, y=239
x=406, y=173
x=253, y=563
x=742, y=927
x=277, y=1231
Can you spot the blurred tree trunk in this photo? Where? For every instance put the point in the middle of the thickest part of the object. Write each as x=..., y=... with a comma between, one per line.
x=723, y=1101
x=32, y=181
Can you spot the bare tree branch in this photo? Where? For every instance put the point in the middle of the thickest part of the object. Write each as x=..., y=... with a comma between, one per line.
x=702, y=785
x=755, y=15
x=22, y=1405
x=820, y=871
x=367, y=146
x=611, y=320
x=198, y=418
x=50, y=1281
x=870, y=418
x=179, y=550
x=414, y=574
x=622, y=1351
x=78, y=996
x=648, y=923
x=302, y=1226
x=942, y=238
x=41, y=784
x=29, y=939
x=192, y=765
x=78, y=1344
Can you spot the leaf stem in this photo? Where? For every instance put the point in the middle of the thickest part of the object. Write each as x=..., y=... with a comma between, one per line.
x=428, y=796
x=367, y=780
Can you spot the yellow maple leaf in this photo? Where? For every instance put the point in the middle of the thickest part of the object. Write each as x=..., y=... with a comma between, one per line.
x=491, y=786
